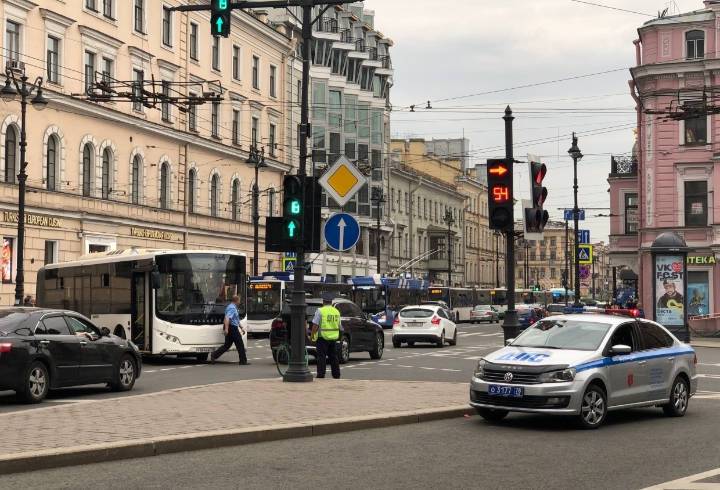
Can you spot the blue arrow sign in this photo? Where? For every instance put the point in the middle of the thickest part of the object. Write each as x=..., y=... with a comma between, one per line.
x=584, y=236
x=569, y=215
x=342, y=232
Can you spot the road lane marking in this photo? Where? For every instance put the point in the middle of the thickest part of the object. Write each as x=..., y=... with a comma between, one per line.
x=692, y=481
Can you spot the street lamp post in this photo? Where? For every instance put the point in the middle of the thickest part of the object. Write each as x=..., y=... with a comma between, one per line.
x=14, y=87
x=378, y=199
x=576, y=155
x=257, y=160
x=450, y=221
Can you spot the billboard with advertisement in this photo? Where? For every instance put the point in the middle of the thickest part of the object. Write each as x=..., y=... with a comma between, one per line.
x=669, y=287
x=6, y=259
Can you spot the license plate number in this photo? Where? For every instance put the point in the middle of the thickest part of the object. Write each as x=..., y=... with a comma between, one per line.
x=204, y=349
x=508, y=391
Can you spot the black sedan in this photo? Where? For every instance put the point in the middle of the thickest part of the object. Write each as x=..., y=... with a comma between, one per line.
x=359, y=332
x=42, y=349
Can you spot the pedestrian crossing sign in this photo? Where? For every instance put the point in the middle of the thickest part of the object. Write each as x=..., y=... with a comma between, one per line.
x=585, y=254
x=289, y=264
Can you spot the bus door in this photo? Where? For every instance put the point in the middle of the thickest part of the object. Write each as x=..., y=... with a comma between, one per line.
x=140, y=326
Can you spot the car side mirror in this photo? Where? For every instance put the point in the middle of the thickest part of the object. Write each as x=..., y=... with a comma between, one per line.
x=620, y=349
x=509, y=341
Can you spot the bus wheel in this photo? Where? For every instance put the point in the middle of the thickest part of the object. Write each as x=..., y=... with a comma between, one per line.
x=119, y=331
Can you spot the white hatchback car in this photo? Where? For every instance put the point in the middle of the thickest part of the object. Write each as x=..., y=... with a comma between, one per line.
x=423, y=323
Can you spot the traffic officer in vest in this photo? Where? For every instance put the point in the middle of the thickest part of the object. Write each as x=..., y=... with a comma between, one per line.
x=326, y=332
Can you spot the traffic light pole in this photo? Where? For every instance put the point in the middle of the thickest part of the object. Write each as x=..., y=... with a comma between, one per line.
x=510, y=325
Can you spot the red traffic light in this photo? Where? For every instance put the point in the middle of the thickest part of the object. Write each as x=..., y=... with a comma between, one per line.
x=539, y=170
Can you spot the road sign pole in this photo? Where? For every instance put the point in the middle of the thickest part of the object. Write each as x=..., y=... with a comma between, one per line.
x=510, y=325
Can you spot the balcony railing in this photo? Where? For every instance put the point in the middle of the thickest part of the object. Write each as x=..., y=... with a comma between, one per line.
x=327, y=24
x=360, y=45
x=373, y=53
x=346, y=36
x=623, y=166
x=386, y=62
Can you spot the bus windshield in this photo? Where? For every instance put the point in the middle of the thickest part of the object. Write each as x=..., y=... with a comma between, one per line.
x=264, y=300
x=195, y=289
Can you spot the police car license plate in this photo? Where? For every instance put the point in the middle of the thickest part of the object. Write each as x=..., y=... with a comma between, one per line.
x=204, y=349
x=508, y=391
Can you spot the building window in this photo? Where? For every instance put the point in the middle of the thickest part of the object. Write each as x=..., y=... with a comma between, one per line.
x=254, y=132
x=192, y=115
x=107, y=69
x=138, y=76
x=12, y=40
x=695, y=43
x=699, y=298
x=631, y=214
x=165, y=105
x=135, y=191
x=87, y=169
x=165, y=185
x=193, y=41
x=272, y=139
x=89, y=69
x=299, y=91
x=236, y=63
x=216, y=53
x=256, y=73
x=696, y=213
x=139, y=14
x=51, y=172
x=215, y=119
x=11, y=147
x=271, y=202
x=106, y=189
x=235, y=199
x=192, y=190
x=51, y=249
x=214, y=195
x=236, y=127
x=91, y=5
x=53, y=60
x=696, y=127
x=273, y=75
x=108, y=9
x=167, y=26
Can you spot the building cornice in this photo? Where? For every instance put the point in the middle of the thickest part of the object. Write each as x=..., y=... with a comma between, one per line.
x=139, y=53
x=100, y=37
x=25, y=5
x=59, y=19
x=167, y=65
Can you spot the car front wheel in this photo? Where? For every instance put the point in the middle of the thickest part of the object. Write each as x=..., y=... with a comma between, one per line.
x=125, y=374
x=36, y=383
x=679, y=398
x=593, y=409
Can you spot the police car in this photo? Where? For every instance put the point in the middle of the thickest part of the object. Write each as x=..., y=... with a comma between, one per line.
x=584, y=364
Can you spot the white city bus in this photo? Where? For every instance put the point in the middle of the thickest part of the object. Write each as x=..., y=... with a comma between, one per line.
x=165, y=301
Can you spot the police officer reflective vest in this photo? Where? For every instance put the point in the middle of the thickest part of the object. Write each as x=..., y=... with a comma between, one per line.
x=329, y=323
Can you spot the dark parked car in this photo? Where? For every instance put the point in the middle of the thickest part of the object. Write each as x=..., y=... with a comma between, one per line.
x=42, y=349
x=555, y=309
x=359, y=333
x=528, y=315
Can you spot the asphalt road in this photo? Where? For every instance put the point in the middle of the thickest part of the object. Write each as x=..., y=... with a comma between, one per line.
x=636, y=448
x=418, y=363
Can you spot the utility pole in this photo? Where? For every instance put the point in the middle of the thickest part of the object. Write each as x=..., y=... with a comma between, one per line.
x=257, y=160
x=378, y=199
x=297, y=369
x=510, y=324
x=497, y=259
x=450, y=221
x=576, y=156
x=567, y=259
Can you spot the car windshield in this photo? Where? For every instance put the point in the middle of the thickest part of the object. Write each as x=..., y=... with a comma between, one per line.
x=564, y=334
x=416, y=313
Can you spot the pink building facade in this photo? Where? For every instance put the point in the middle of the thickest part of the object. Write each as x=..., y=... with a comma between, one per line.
x=668, y=184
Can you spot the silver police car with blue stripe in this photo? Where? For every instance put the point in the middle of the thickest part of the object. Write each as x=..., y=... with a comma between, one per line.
x=585, y=365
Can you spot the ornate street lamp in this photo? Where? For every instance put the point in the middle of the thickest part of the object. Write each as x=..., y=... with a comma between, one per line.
x=576, y=155
x=256, y=159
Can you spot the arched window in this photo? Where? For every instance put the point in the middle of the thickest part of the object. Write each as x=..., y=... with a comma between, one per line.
x=214, y=194
x=695, y=43
x=87, y=169
x=235, y=199
x=106, y=189
x=10, y=154
x=165, y=185
x=52, y=161
x=192, y=189
x=135, y=190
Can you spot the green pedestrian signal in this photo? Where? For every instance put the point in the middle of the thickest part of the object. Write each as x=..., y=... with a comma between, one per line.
x=291, y=228
x=293, y=202
x=295, y=207
x=220, y=18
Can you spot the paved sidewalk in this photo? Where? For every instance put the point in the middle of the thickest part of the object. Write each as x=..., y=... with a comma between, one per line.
x=256, y=406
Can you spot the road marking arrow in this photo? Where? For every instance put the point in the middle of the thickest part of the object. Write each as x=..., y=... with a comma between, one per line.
x=341, y=227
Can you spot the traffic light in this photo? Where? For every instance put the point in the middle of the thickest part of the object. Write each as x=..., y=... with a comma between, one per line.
x=293, y=198
x=535, y=216
x=311, y=223
x=500, y=193
x=220, y=18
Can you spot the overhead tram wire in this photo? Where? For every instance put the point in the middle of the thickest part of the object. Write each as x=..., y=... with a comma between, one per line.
x=614, y=8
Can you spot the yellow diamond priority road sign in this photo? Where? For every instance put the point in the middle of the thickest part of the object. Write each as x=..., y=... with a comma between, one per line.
x=342, y=181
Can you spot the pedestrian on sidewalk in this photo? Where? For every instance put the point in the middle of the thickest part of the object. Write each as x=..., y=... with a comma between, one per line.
x=326, y=333
x=233, y=333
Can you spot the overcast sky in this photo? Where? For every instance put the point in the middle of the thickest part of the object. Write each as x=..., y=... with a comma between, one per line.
x=452, y=48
